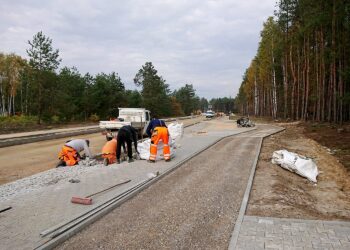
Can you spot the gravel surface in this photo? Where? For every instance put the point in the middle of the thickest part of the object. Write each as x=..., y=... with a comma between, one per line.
x=51, y=176
x=193, y=207
x=38, y=181
x=41, y=156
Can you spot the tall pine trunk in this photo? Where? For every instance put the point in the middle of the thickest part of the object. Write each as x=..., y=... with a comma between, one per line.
x=292, y=68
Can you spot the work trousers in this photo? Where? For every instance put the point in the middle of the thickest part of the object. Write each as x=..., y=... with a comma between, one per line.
x=69, y=155
x=122, y=138
x=159, y=133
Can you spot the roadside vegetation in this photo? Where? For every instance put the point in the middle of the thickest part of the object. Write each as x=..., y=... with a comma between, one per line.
x=13, y=122
x=302, y=67
x=38, y=90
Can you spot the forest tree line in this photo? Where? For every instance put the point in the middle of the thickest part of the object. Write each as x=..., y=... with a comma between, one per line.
x=36, y=87
x=302, y=67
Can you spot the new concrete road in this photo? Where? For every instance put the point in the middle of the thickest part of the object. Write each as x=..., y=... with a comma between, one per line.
x=194, y=207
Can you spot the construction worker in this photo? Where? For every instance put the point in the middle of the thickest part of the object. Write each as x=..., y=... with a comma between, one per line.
x=109, y=152
x=157, y=130
x=126, y=134
x=70, y=152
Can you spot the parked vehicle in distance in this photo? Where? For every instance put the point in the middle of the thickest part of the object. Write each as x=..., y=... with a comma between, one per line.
x=209, y=114
x=139, y=118
x=245, y=122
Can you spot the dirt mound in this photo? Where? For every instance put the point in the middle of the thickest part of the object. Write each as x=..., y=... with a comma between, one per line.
x=279, y=193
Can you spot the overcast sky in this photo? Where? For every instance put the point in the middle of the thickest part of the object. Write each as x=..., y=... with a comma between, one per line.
x=205, y=43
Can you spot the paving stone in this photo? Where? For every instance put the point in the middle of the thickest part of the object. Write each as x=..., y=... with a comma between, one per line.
x=302, y=243
x=300, y=234
x=260, y=234
x=317, y=244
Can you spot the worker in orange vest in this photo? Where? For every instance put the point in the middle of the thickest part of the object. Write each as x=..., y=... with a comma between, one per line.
x=70, y=152
x=157, y=130
x=109, y=152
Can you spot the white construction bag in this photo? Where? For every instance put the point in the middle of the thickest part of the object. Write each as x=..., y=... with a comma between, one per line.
x=299, y=164
x=175, y=131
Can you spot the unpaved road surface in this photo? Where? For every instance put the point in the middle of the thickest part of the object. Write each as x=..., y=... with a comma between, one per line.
x=20, y=161
x=279, y=193
x=193, y=207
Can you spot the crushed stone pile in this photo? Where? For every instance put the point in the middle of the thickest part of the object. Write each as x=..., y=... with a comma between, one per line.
x=44, y=179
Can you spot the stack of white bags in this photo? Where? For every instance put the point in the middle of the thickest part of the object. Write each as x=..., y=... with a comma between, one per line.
x=176, y=132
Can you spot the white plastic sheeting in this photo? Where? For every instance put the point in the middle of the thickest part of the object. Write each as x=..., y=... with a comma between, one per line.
x=176, y=133
x=299, y=164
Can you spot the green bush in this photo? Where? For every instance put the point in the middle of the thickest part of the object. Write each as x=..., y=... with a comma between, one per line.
x=55, y=119
x=94, y=118
x=17, y=121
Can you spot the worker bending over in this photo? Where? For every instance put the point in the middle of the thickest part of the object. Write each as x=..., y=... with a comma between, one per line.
x=157, y=130
x=109, y=152
x=70, y=153
x=126, y=134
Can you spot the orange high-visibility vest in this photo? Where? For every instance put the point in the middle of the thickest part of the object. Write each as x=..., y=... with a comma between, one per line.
x=110, y=147
x=109, y=151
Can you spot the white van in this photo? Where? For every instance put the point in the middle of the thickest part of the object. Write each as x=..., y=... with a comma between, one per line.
x=139, y=118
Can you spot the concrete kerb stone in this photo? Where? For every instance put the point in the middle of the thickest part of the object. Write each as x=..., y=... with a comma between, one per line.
x=236, y=230
x=325, y=222
x=44, y=137
x=12, y=141
x=51, y=243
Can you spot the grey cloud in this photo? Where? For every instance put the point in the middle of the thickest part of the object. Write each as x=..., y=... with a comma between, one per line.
x=206, y=43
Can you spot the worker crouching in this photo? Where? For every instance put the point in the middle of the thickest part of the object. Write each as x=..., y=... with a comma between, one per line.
x=157, y=130
x=109, y=152
x=70, y=152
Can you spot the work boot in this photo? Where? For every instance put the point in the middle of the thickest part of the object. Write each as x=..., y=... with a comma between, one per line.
x=167, y=160
x=118, y=161
x=61, y=164
x=151, y=161
x=131, y=160
x=105, y=162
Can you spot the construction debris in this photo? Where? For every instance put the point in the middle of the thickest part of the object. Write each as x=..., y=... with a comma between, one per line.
x=87, y=162
x=74, y=180
x=299, y=164
x=245, y=122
